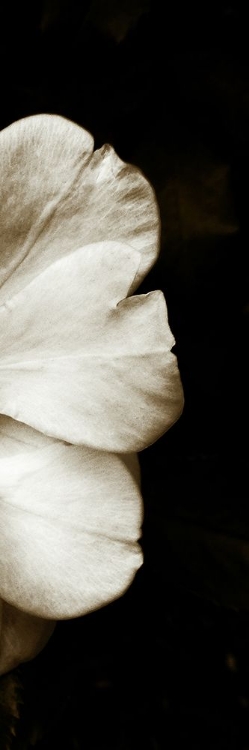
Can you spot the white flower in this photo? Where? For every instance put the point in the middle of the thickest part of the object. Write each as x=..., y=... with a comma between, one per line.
x=87, y=376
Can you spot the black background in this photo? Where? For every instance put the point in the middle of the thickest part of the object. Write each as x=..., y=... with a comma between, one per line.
x=168, y=664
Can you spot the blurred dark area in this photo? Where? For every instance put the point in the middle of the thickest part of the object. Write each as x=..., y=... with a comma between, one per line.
x=168, y=86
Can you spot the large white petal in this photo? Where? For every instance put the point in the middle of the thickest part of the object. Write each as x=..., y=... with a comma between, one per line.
x=82, y=364
x=56, y=194
x=22, y=636
x=70, y=519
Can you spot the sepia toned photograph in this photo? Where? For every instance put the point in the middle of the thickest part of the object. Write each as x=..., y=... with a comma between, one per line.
x=124, y=376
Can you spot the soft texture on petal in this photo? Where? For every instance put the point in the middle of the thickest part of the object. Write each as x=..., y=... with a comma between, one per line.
x=22, y=636
x=81, y=363
x=56, y=195
x=70, y=519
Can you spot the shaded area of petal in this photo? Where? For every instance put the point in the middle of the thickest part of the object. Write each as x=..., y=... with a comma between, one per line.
x=56, y=194
x=91, y=368
x=20, y=439
x=22, y=636
x=70, y=519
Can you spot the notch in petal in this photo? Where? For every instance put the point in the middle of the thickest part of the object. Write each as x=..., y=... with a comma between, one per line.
x=82, y=364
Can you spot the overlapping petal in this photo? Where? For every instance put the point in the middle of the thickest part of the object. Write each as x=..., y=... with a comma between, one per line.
x=70, y=520
x=22, y=636
x=56, y=194
x=81, y=363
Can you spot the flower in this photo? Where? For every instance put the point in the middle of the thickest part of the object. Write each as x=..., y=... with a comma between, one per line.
x=87, y=376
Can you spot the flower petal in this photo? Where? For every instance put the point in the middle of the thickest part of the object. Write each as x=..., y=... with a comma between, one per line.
x=56, y=194
x=70, y=519
x=80, y=363
x=22, y=636
x=18, y=438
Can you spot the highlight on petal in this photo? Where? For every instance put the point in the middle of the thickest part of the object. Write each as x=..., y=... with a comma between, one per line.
x=56, y=194
x=22, y=636
x=70, y=520
x=81, y=363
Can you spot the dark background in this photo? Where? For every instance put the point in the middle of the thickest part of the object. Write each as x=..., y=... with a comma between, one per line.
x=168, y=664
